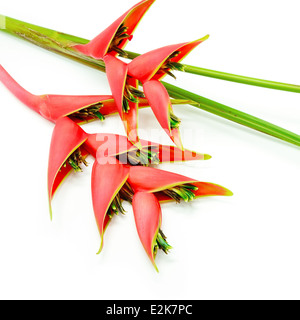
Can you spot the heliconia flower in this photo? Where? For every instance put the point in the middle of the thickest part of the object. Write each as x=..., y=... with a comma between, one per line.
x=152, y=67
x=153, y=186
x=114, y=39
x=145, y=187
x=71, y=145
x=52, y=107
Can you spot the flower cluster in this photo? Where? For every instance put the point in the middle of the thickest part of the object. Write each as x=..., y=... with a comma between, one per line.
x=122, y=169
x=148, y=70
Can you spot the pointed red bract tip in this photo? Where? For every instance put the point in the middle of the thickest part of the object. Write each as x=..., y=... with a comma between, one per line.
x=174, y=154
x=107, y=180
x=176, y=138
x=211, y=189
x=147, y=215
x=67, y=137
x=99, y=46
x=146, y=66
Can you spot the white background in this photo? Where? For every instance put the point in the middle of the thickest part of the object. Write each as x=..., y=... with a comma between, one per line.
x=243, y=247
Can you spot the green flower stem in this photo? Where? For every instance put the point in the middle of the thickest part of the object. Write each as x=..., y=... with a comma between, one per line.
x=242, y=79
x=234, y=115
x=233, y=77
x=62, y=43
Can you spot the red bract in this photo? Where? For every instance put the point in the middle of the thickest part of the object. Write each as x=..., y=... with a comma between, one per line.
x=113, y=39
x=102, y=145
x=116, y=71
x=52, y=107
x=152, y=186
x=70, y=146
x=148, y=219
x=107, y=181
x=152, y=67
x=67, y=138
x=112, y=175
x=107, y=46
x=145, y=187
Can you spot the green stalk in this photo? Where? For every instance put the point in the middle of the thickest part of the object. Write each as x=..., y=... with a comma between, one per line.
x=233, y=77
x=241, y=79
x=234, y=115
x=61, y=43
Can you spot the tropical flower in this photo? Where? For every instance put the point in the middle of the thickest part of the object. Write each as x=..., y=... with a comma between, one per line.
x=113, y=179
x=113, y=40
x=150, y=68
x=145, y=187
x=71, y=145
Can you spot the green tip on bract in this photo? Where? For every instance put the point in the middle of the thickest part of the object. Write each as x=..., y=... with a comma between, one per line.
x=229, y=193
x=207, y=157
x=101, y=246
x=204, y=38
x=50, y=211
x=155, y=266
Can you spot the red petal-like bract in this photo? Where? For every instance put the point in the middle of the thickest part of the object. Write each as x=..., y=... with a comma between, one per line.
x=155, y=180
x=159, y=101
x=147, y=214
x=67, y=137
x=107, y=180
x=116, y=71
x=108, y=145
x=98, y=47
x=130, y=119
x=146, y=66
x=53, y=107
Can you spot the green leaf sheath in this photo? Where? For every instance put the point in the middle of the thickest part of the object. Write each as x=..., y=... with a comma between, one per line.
x=51, y=40
x=61, y=43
